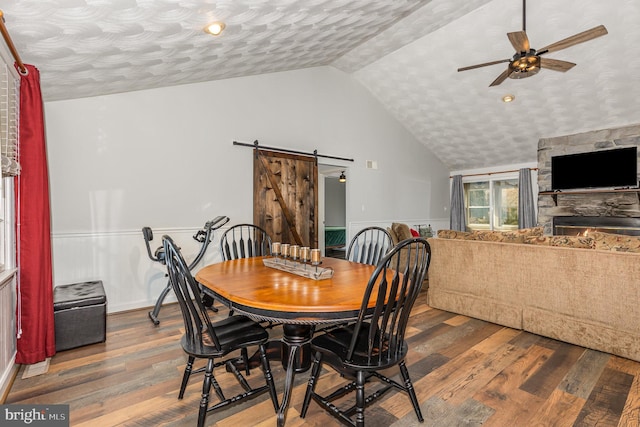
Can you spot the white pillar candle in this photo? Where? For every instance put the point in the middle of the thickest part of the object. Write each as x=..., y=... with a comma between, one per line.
x=284, y=249
x=305, y=252
x=295, y=251
x=275, y=248
x=315, y=256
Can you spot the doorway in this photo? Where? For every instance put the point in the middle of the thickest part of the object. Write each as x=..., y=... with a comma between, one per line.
x=332, y=201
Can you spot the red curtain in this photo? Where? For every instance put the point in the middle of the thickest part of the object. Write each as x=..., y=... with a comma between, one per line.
x=36, y=331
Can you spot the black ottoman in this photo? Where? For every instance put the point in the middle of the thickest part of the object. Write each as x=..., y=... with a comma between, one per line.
x=80, y=314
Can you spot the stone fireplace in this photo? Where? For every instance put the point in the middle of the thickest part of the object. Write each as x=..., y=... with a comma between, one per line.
x=587, y=209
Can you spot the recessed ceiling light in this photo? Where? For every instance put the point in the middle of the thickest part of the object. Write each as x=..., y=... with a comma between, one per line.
x=508, y=98
x=215, y=28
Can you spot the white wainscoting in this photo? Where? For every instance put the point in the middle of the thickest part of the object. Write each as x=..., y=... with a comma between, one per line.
x=131, y=280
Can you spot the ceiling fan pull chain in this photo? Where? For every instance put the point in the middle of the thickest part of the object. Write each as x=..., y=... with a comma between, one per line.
x=524, y=15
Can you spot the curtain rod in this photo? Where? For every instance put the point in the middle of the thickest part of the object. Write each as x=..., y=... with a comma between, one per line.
x=284, y=150
x=11, y=46
x=494, y=173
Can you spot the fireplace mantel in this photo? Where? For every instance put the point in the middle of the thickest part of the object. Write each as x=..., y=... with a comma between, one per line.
x=554, y=194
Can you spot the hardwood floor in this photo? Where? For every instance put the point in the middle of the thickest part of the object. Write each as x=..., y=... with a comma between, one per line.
x=466, y=373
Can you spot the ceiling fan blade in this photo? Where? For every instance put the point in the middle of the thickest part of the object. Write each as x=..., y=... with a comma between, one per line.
x=471, y=67
x=556, y=64
x=502, y=77
x=582, y=37
x=519, y=41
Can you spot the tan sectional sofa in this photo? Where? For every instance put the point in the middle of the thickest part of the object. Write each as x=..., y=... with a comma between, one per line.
x=588, y=297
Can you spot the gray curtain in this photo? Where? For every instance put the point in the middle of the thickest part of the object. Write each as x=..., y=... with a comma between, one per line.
x=457, y=216
x=526, y=208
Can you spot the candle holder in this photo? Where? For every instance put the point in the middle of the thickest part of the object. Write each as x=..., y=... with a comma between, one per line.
x=327, y=272
x=301, y=256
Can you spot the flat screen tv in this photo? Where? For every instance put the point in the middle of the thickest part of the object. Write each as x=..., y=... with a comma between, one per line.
x=616, y=168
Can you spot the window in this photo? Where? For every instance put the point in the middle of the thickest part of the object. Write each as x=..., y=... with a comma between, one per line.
x=9, y=87
x=9, y=106
x=492, y=204
x=7, y=224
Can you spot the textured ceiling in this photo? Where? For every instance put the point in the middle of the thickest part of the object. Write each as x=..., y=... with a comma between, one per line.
x=93, y=47
x=406, y=52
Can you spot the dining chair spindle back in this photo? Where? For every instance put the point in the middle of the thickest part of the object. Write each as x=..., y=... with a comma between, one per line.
x=369, y=245
x=244, y=241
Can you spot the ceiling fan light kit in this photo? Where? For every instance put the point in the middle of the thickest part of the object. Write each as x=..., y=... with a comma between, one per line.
x=528, y=62
x=525, y=65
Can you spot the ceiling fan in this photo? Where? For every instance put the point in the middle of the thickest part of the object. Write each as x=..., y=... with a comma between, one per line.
x=527, y=61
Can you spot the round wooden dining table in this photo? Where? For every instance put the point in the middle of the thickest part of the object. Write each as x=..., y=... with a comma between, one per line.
x=264, y=293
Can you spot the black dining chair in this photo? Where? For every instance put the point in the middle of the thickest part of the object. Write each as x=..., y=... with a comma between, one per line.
x=369, y=245
x=203, y=339
x=376, y=341
x=244, y=241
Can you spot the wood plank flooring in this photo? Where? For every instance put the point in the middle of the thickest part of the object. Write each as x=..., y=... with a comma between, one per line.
x=466, y=372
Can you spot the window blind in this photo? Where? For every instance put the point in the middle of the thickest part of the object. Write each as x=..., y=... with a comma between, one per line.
x=8, y=121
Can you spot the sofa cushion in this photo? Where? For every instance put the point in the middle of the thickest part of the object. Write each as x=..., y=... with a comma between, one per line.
x=453, y=234
x=497, y=236
x=511, y=236
x=394, y=238
x=532, y=231
x=402, y=231
x=564, y=241
x=615, y=242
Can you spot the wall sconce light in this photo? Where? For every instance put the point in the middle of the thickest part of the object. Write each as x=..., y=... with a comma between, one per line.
x=342, y=178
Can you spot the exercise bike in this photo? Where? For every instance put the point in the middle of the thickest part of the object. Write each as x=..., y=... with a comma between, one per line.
x=204, y=236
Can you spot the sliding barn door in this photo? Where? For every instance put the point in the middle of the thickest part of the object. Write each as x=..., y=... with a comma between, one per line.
x=285, y=197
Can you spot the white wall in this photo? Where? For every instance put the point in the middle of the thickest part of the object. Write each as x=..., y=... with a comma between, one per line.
x=164, y=158
x=335, y=202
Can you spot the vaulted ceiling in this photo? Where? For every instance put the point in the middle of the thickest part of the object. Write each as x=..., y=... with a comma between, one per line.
x=406, y=52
